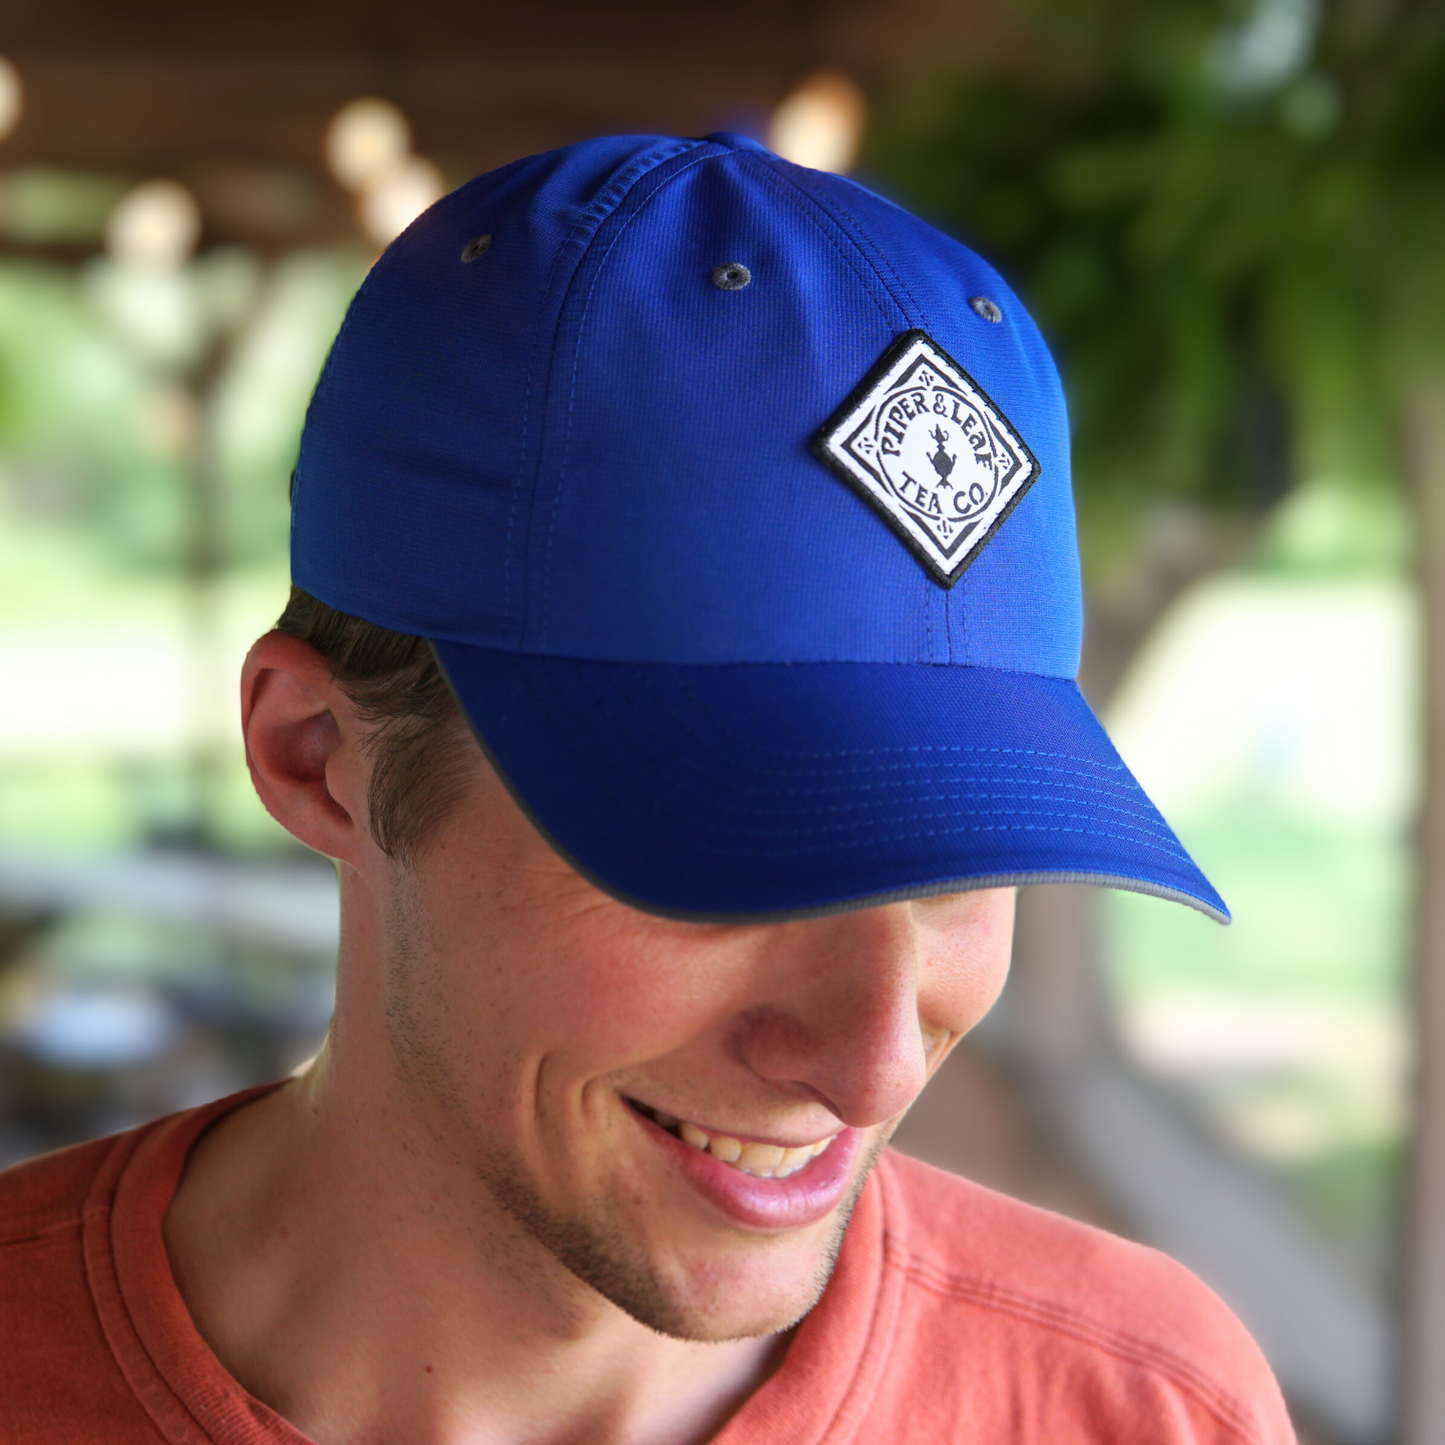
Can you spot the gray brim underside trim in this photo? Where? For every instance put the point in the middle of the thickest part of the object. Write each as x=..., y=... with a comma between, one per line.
x=821, y=910
x=876, y=900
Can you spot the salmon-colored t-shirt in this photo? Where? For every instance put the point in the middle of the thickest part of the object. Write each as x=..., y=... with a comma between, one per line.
x=955, y=1314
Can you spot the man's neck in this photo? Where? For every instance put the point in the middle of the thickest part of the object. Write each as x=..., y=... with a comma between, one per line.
x=359, y=1286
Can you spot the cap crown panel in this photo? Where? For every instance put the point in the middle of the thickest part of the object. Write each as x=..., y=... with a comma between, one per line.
x=685, y=511
x=414, y=483
x=579, y=445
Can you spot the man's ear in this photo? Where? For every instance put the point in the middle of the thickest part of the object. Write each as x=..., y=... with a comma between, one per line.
x=302, y=745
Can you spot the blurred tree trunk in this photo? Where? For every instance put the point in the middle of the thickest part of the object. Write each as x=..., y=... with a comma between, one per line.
x=1424, y=1261
x=1057, y=1005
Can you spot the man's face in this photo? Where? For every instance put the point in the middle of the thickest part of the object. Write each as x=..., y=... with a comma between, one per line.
x=622, y=1085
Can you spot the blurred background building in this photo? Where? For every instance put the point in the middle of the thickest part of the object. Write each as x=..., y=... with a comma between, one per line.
x=1229, y=220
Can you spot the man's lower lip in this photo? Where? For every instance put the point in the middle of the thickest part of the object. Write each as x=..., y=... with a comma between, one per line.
x=756, y=1203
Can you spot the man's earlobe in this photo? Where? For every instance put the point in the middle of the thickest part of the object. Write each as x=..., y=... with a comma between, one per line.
x=301, y=745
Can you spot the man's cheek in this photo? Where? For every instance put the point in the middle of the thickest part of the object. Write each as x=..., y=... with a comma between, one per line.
x=627, y=1015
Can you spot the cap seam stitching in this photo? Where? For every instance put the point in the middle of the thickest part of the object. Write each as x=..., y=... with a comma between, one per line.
x=850, y=258
x=688, y=725
x=593, y=216
x=856, y=234
x=702, y=707
x=958, y=790
x=959, y=882
x=774, y=173
x=955, y=883
x=886, y=273
x=953, y=748
x=544, y=622
x=918, y=817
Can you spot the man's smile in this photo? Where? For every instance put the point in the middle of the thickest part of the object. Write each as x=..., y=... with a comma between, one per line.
x=757, y=1158
x=753, y=1183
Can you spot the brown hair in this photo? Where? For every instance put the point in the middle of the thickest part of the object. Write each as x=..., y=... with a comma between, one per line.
x=421, y=750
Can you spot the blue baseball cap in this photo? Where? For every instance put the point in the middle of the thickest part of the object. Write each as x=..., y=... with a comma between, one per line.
x=735, y=503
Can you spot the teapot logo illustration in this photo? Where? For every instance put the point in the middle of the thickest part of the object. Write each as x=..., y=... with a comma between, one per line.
x=942, y=462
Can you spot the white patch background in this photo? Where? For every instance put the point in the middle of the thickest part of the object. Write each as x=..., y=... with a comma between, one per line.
x=929, y=448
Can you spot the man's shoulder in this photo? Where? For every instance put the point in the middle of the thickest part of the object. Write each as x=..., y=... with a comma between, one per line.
x=964, y=1237
x=1064, y=1298
x=58, y=1379
x=70, y=1351
x=48, y=1193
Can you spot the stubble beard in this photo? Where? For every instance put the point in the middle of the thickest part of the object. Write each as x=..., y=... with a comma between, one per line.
x=598, y=1252
x=595, y=1249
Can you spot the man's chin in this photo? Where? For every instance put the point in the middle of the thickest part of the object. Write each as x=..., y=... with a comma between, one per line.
x=742, y=1298
x=750, y=1290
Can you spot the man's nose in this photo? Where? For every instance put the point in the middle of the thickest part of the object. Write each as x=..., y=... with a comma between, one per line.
x=845, y=1028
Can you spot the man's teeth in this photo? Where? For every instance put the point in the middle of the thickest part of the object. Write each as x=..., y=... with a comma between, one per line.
x=768, y=1161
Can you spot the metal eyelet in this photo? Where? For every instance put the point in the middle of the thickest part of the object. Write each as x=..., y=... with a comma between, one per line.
x=731, y=276
x=476, y=248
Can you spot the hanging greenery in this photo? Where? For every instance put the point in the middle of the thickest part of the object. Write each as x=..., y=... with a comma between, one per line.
x=1230, y=224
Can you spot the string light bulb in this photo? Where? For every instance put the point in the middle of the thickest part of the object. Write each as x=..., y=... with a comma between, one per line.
x=366, y=141
x=154, y=227
x=12, y=97
x=821, y=123
x=390, y=206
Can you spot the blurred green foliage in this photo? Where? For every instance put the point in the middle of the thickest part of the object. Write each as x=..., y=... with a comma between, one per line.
x=71, y=421
x=42, y=205
x=122, y=394
x=1229, y=222
x=148, y=425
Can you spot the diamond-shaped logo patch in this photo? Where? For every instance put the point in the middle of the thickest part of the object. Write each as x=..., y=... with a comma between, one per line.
x=923, y=443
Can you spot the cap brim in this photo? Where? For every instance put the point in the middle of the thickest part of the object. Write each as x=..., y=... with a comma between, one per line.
x=771, y=790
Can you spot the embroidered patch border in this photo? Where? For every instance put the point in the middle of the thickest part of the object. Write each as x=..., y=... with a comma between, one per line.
x=914, y=422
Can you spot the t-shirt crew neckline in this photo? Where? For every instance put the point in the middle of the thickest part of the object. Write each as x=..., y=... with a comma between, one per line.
x=820, y=1393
